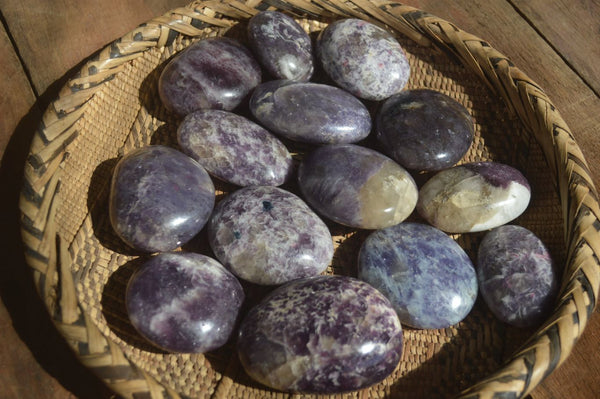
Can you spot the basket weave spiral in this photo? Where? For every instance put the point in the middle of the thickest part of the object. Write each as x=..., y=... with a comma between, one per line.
x=110, y=107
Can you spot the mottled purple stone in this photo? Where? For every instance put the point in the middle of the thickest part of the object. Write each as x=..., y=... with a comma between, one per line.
x=184, y=302
x=424, y=129
x=160, y=198
x=363, y=58
x=269, y=236
x=325, y=334
x=281, y=45
x=214, y=73
x=310, y=112
x=516, y=276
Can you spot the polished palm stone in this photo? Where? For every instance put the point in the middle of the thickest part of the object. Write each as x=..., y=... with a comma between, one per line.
x=234, y=149
x=516, y=276
x=160, y=198
x=213, y=73
x=325, y=334
x=268, y=236
x=281, y=45
x=184, y=302
x=424, y=129
x=310, y=112
x=363, y=58
x=474, y=197
x=356, y=186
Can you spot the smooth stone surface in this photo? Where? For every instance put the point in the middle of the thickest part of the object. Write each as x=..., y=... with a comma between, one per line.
x=356, y=186
x=426, y=275
x=310, y=112
x=326, y=334
x=424, y=129
x=184, y=302
x=516, y=276
x=234, y=149
x=269, y=236
x=363, y=58
x=159, y=199
x=474, y=197
x=281, y=45
x=214, y=73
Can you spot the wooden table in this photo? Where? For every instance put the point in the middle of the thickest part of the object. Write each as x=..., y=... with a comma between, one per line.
x=556, y=42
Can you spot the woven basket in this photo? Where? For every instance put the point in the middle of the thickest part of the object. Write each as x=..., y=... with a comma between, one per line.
x=111, y=107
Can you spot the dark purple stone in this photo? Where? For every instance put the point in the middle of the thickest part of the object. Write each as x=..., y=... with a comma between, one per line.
x=498, y=174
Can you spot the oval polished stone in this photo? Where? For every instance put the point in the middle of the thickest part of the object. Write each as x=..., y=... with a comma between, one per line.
x=310, y=112
x=426, y=275
x=281, y=45
x=234, y=149
x=363, y=58
x=269, y=236
x=184, y=302
x=159, y=199
x=424, y=129
x=357, y=186
x=474, y=197
x=516, y=277
x=213, y=73
x=325, y=334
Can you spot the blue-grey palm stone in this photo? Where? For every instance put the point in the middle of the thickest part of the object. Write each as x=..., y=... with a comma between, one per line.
x=268, y=236
x=426, y=275
x=310, y=112
x=516, y=276
x=325, y=334
x=184, y=302
x=159, y=199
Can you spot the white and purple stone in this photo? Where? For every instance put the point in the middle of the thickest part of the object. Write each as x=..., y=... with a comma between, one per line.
x=474, y=197
x=516, y=276
x=184, y=302
x=310, y=112
x=363, y=58
x=234, y=149
x=426, y=275
x=325, y=334
x=269, y=236
x=357, y=186
x=159, y=199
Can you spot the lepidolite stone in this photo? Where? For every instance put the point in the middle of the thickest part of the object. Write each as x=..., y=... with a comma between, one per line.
x=281, y=45
x=310, y=112
x=356, y=186
x=184, y=302
x=363, y=58
x=424, y=129
x=516, y=276
x=269, y=236
x=325, y=334
x=474, y=197
x=426, y=275
x=160, y=198
x=234, y=149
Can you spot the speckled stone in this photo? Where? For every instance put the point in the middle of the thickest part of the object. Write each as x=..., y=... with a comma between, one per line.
x=281, y=45
x=363, y=58
x=213, y=73
x=184, y=302
x=516, y=276
x=356, y=186
x=325, y=334
x=474, y=197
x=310, y=112
x=234, y=149
x=426, y=275
x=424, y=129
x=269, y=236
x=160, y=198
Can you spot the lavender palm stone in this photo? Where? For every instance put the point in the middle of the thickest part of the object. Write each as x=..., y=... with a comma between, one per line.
x=325, y=334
